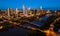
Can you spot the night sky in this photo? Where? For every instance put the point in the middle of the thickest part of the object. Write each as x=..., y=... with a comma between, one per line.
x=47, y=4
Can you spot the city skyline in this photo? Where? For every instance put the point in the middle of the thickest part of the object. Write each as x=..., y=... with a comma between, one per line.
x=46, y=4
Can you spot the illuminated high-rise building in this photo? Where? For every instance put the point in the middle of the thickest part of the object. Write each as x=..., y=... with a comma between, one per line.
x=29, y=8
x=29, y=12
x=26, y=13
x=8, y=12
x=48, y=11
x=41, y=10
x=24, y=10
x=40, y=7
x=11, y=11
x=55, y=12
x=17, y=12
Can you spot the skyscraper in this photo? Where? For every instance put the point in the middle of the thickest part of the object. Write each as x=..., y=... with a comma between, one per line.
x=48, y=11
x=41, y=10
x=17, y=12
x=24, y=9
x=29, y=8
x=29, y=11
x=40, y=7
x=25, y=12
x=8, y=13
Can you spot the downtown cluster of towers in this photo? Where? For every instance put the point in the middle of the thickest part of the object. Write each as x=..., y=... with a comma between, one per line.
x=24, y=11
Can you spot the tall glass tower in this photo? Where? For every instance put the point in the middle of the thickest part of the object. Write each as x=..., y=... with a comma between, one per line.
x=8, y=12
x=24, y=9
x=17, y=12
